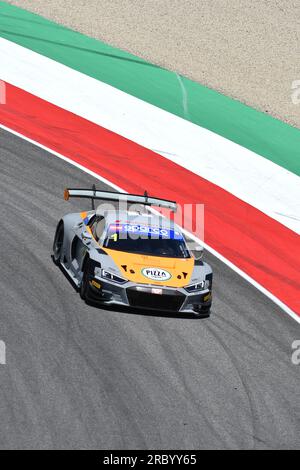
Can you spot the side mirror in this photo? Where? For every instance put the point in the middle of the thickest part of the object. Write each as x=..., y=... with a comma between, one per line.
x=197, y=252
x=86, y=236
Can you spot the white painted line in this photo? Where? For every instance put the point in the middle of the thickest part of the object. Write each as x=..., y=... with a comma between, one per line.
x=248, y=176
x=262, y=289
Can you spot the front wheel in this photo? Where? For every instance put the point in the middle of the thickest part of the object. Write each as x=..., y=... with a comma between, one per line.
x=205, y=313
x=85, y=283
x=58, y=243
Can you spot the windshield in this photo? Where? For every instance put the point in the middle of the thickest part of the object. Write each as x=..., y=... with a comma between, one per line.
x=145, y=240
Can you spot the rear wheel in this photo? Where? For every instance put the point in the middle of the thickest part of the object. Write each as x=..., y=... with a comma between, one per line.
x=58, y=243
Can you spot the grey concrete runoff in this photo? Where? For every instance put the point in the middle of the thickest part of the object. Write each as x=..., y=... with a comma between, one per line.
x=248, y=50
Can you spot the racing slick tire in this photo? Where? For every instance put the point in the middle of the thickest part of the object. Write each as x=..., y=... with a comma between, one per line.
x=202, y=313
x=58, y=243
x=85, y=289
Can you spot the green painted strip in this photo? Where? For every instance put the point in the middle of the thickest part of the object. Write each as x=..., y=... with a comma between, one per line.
x=254, y=130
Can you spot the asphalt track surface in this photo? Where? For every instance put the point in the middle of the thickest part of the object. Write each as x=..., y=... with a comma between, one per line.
x=80, y=377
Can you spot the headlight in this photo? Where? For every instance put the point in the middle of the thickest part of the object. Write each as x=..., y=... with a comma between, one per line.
x=111, y=277
x=203, y=285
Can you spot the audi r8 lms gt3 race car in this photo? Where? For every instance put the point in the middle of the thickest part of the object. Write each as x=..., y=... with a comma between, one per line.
x=134, y=258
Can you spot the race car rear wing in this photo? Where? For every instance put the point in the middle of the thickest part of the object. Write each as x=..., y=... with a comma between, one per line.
x=144, y=200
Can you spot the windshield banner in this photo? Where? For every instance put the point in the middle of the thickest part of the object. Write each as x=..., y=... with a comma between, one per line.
x=146, y=231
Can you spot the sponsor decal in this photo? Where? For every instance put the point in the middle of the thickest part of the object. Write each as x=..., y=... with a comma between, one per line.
x=156, y=274
x=156, y=291
x=148, y=231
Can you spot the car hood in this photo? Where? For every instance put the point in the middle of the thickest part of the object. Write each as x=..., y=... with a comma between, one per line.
x=155, y=270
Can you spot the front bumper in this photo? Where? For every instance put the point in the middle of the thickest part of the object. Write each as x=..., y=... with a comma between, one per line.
x=150, y=297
